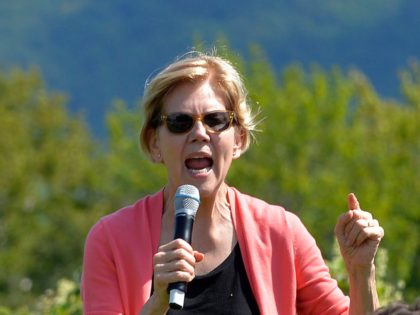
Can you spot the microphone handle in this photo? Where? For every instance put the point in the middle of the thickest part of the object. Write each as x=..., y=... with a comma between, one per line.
x=183, y=230
x=183, y=227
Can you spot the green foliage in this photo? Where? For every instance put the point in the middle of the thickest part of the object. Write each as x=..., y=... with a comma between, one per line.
x=327, y=133
x=131, y=174
x=387, y=291
x=323, y=135
x=48, y=188
x=65, y=300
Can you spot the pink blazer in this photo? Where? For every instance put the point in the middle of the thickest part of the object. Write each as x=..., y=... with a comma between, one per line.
x=284, y=266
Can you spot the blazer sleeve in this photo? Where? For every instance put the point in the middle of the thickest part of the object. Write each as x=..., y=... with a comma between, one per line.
x=100, y=289
x=317, y=292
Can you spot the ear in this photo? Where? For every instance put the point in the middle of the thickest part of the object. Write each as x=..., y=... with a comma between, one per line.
x=238, y=144
x=154, y=146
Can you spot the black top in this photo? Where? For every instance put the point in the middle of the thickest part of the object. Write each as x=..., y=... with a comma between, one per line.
x=225, y=290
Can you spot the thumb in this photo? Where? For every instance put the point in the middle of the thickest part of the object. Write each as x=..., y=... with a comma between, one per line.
x=352, y=202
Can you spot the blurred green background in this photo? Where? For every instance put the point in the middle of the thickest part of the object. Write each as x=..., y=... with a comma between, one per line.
x=71, y=78
x=96, y=51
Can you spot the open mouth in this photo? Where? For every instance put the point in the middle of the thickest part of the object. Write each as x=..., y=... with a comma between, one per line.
x=199, y=165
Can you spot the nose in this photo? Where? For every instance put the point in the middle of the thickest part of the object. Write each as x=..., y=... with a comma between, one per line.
x=199, y=132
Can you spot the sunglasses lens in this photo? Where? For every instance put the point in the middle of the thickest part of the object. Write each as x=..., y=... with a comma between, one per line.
x=179, y=123
x=217, y=121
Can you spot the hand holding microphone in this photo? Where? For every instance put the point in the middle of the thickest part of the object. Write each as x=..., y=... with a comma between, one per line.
x=175, y=261
x=186, y=202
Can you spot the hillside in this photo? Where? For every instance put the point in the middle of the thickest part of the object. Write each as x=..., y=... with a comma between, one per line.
x=96, y=51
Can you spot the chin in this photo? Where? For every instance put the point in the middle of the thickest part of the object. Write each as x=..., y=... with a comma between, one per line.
x=208, y=190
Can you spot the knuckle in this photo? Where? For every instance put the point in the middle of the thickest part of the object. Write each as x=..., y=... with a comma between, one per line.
x=178, y=242
x=181, y=275
x=179, y=253
x=181, y=264
x=157, y=258
x=158, y=268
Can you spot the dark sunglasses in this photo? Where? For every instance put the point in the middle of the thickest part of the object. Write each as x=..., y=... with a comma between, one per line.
x=216, y=121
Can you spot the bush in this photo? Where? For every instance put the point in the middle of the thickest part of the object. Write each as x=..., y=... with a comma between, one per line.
x=65, y=300
x=387, y=292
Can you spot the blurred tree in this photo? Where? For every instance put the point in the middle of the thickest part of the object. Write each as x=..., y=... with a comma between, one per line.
x=327, y=133
x=48, y=196
x=131, y=173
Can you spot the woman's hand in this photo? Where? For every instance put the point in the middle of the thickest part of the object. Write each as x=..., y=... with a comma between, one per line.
x=174, y=261
x=358, y=236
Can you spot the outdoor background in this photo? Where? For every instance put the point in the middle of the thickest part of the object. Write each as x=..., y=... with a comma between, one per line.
x=337, y=85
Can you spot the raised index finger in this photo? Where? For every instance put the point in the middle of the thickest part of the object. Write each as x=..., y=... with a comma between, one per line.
x=352, y=202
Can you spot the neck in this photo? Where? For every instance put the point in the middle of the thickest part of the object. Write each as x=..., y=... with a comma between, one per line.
x=210, y=206
x=215, y=206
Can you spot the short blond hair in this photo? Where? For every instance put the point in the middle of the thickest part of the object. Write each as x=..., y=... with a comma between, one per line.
x=197, y=67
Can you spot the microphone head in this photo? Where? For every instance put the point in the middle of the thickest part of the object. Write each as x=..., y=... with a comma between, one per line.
x=187, y=200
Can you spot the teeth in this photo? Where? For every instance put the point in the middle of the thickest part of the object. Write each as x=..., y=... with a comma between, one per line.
x=201, y=171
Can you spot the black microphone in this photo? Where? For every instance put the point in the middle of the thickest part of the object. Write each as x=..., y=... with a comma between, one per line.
x=187, y=200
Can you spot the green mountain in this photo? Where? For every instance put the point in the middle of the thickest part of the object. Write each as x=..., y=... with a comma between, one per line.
x=96, y=51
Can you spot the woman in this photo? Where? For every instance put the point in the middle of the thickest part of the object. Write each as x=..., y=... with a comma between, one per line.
x=246, y=256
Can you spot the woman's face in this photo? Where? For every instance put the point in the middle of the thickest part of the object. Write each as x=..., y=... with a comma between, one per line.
x=197, y=157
